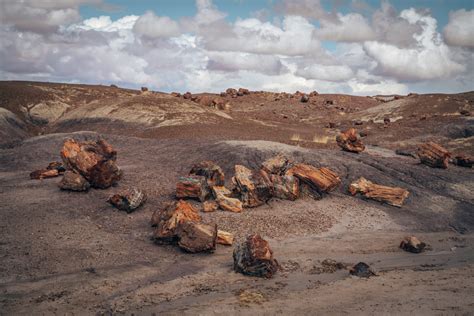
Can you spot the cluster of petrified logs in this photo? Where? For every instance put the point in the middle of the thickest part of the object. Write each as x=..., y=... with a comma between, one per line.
x=350, y=141
x=434, y=155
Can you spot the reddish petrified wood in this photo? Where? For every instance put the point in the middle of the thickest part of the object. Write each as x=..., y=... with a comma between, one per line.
x=319, y=179
x=73, y=181
x=194, y=187
x=412, y=244
x=391, y=195
x=276, y=165
x=224, y=238
x=128, y=200
x=211, y=171
x=226, y=203
x=197, y=237
x=349, y=141
x=285, y=187
x=254, y=257
x=44, y=173
x=433, y=155
x=254, y=187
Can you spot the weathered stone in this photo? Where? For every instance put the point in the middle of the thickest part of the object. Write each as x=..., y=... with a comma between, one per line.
x=463, y=161
x=362, y=270
x=412, y=244
x=225, y=238
x=226, y=203
x=192, y=187
x=170, y=217
x=319, y=179
x=44, y=173
x=276, y=165
x=73, y=181
x=391, y=195
x=95, y=161
x=304, y=98
x=349, y=141
x=56, y=165
x=209, y=206
x=176, y=94
x=211, y=171
x=197, y=237
x=433, y=155
x=254, y=187
x=285, y=187
x=313, y=93
x=128, y=200
x=243, y=91
x=144, y=89
x=254, y=257
x=231, y=92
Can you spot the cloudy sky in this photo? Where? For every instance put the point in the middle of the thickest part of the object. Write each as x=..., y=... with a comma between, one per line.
x=361, y=47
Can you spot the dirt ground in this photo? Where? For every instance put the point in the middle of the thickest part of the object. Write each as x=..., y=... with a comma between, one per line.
x=72, y=253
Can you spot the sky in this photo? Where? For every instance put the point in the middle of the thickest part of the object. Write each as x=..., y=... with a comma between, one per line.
x=360, y=47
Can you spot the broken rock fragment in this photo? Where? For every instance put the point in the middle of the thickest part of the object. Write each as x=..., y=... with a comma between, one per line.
x=391, y=195
x=56, y=165
x=209, y=206
x=463, y=161
x=211, y=171
x=194, y=187
x=412, y=244
x=254, y=187
x=44, y=174
x=285, y=187
x=349, y=141
x=433, y=155
x=362, y=270
x=73, y=181
x=224, y=238
x=128, y=200
x=276, y=165
x=197, y=237
x=254, y=257
x=318, y=179
x=226, y=203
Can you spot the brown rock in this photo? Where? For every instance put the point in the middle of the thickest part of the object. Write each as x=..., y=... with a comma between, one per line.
x=412, y=244
x=285, y=187
x=225, y=238
x=276, y=165
x=304, y=98
x=209, y=206
x=254, y=257
x=362, y=270
x=44, y=173
x=463, y=161
x=197, y=237
x=319, y=179
x=192, y=187
x=313, y=93
x=433, y=155
x=225, y=202
x=176, y=94
x=232, y=92
x=144, y=89
x=254, y=187
x=391, y=195
x=73, y=181
x=56, y=165
x=128, y=200
x=465, y=112
x=243, y=91
x=349, y=141
x=95, y=161
x=211, y=171
x=386, y=120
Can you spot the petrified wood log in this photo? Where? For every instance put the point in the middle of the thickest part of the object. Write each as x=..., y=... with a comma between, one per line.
x=44, y=173
x=209, y=206
x=73, y=181
x=276, y=165
x=224, y=238
x=254, y=187
x=95, y=161
x=226, y=203
x=349, y=141
x=391, y=195
x=197, y=237
x=319, y=179
x=193, y=187
x=254, y=257
x=412, y=244
x=463, y=161
x=285, y=187
x=211, y=171
x=128, y=200
x=433, y=155
x=168, y=220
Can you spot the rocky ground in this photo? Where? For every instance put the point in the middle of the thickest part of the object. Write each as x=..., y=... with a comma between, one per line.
x=68, y=252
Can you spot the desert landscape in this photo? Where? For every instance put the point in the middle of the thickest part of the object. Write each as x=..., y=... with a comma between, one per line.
x=67, y=252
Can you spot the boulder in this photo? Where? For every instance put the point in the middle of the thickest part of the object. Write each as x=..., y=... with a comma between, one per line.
x=277, y=165
x=197, y=237
x=225, y=238
x=94, y=160
x=253, y=187
x=318, y=179
x=72, y=181
x=412, y=244
x=128, y=200
x=226, y=203
x=211, y=171
x=285, y=187
x=192, y=187
x=254, y=257
x=433, y=155
x=391, y=195
x=44, y=173
x=349, y=141
x=209, y=206
x=362, y=270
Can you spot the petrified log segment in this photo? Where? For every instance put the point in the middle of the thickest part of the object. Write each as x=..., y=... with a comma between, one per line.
x=95, y=161
x=285, y=187
x=433, y=155
x=211, y=171
x=168, y=219
x=197, y=237
x=276, y=165
x=412, y=244
x=128, y=200
x=73, y=181
x=319, y=179
x=226, y=203
x=209, y=206
x=224, y=238
x=194, y=187
x=463, y=161
x=254, y=257
x=44, y=173
x=391, y=195
x=254, y=187
x=349, y=141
